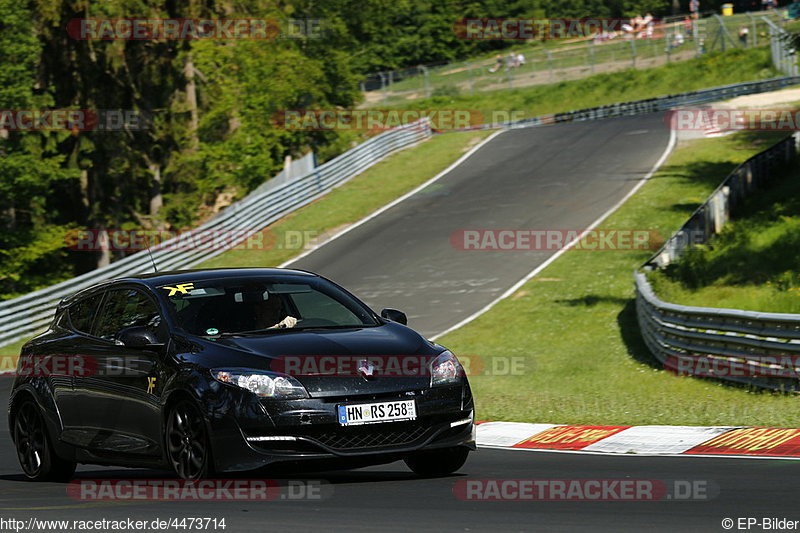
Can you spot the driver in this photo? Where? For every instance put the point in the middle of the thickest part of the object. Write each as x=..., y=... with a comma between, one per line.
x=269, y=314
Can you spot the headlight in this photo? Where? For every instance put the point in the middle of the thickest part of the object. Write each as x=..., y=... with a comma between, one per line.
x=262, y=384
x=446, y=370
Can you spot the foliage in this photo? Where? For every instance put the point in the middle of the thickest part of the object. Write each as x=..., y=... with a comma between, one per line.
x=209, y=138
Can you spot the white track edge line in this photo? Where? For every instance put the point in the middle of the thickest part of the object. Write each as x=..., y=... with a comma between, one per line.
x=652, y=454
x=396, y=201
x=600, y=219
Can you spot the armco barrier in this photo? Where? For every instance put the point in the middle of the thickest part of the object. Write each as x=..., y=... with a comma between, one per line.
x=27, y=314
x=761, y=349
x=650, y=105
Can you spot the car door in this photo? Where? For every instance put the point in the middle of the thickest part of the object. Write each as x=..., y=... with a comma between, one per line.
x=73, y=343
x=122, y=404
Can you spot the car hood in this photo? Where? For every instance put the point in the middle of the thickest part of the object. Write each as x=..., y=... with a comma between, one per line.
x=305, y=354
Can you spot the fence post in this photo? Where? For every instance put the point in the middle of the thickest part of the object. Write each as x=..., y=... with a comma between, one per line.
x=591, y=55
x=753, y=30
x=383, y=85
x=468, y=66
x=696, y=36
x=633, y=52
x=426, y=81
x=550, y=65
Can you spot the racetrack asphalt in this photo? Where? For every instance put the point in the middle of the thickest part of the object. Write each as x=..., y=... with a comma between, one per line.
x=560, y=177
x=391, y=498
x=557, y=177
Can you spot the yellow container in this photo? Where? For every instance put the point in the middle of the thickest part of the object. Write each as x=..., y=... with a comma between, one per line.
x=727, y=10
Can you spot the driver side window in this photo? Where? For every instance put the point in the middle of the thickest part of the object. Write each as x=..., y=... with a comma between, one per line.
x=125, y=308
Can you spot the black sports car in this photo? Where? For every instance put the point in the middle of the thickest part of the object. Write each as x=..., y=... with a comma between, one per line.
x=228, y=370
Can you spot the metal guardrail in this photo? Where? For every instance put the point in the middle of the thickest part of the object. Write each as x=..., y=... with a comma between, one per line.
x=30, y=313
x=761, y=349
x=650, y=105
x=715, y=212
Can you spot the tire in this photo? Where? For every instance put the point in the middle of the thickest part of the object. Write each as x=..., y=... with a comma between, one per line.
x=35, y=452
x=187, y=443
x=438, y=462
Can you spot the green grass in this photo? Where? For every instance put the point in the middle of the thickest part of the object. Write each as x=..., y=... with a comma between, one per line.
x=8, y=355
x=567, y=53
x=576, y=324
x=711, y=70
x=752, y=264
x=357, y=198
x=379, y=185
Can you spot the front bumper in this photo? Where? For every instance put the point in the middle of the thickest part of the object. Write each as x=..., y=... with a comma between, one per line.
x=255, y=433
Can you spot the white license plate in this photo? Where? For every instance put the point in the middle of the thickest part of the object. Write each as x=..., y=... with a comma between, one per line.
x=373, y=413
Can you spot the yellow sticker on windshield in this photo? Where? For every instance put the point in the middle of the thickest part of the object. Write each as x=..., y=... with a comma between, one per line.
x=182, y=288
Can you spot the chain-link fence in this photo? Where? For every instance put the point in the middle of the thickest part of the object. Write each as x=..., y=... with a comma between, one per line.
x=675, y=39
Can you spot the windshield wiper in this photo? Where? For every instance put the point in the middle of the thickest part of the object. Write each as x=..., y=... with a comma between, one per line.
x=351, y=326
x=249, y=332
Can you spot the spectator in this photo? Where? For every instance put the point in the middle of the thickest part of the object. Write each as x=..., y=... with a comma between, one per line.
x=498, y=65
x=743, y=34
x=649, y=25
x=628, y=29
x=512, y=61
x=520, y=59
x=694, y=8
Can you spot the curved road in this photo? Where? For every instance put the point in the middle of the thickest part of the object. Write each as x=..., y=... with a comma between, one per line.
x=558, y=177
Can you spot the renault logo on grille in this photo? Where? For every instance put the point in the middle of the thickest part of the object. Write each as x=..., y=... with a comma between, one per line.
x=366, y=369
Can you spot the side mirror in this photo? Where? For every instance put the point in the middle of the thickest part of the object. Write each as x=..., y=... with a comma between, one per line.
x=138, y=337
x=395, y=316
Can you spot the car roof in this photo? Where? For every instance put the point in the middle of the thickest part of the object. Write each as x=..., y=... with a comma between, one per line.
x=157, y=279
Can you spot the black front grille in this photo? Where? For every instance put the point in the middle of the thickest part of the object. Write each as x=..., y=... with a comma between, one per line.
x=366, y=437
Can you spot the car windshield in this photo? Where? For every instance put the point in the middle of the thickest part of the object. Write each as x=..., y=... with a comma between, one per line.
x=261, y=306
